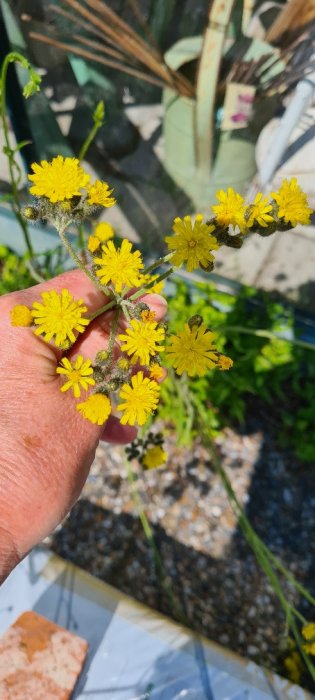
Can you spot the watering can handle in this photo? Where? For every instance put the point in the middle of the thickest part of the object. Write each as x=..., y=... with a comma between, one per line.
x=208, y=72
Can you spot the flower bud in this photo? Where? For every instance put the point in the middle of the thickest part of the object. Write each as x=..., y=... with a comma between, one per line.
x=195, y=320
x=30, y=213
x=102, y=356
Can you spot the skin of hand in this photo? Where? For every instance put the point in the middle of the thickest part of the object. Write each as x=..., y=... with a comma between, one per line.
x=47, y=447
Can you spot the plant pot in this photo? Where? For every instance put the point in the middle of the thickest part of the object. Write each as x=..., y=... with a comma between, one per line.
x=234, y=165
x=188, y=123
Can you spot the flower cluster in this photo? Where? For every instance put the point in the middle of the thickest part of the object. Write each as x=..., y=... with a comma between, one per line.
x=64, y=192
x=193, y=243
x=124, y=376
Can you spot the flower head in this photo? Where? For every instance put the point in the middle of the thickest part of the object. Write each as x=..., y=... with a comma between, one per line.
x=21, y=316
x=59, y=316
x=230, y=210
x=259, y=212
x=148, y=315
x=154, y=457
x=192, y=350
x=292, y=203
x=60, y=179
x=96, y=408
x=224, y=362
x=77, y=373
x=142, y=339
x=93, y=243
x=102, y=232
x=119, y=266
x=140, y=399
x=192, y=243
x=294, y=666
x=308, y=631
x=156, y=371
x=99, y=194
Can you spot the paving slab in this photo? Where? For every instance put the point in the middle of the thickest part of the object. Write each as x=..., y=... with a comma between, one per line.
x=244, y=265
x=134, y=652
x=289, y=267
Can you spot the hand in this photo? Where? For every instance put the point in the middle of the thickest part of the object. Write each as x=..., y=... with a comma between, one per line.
x=47, y=447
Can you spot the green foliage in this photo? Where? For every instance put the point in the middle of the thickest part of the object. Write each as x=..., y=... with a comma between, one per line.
x=14, y=273
x=278, y=372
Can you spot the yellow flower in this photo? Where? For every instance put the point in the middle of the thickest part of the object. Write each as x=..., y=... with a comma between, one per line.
x=192, y=243
x=60, y=179
x=292, y=203
x=93, y=243
x=155, y=288
x=148, y=315
x=21, y=316
x=156, y=371
x=191, y=350
x=294, y=666
x=77, y=373
x=230, y=210
x=119, y=266
x=154, y=457
x=308, y=631
x=99, y=194
x=309, y=648
x=59, y=315
x=103, y=231
x=141, y=340
x=140, y=399
x=224, y=362
x=259, y=212
x=96, y=408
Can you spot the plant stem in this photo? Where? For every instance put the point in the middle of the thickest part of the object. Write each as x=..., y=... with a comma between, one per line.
x=267, y=334
x=175, y=605
x=262, y=552
x=157, y=263
x=82, y=241
x=90, y=137
x=112, y=336
x=110, y=305
x=9, y=152
x=62, y=233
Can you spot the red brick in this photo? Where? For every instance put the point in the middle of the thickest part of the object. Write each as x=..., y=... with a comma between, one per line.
x=39, y=660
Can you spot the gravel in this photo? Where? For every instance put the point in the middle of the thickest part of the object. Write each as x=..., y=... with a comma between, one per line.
x=213, y=575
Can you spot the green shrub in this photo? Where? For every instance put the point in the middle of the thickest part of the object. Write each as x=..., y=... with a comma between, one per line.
x=278, y=372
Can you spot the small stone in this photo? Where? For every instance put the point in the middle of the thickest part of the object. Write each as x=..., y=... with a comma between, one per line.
x=252, y=650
